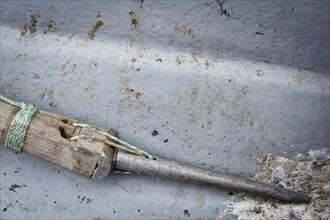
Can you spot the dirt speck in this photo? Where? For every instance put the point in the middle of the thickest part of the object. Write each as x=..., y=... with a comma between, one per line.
x=186, y=212
x=257, y=210
x=184, y=29
x=179, y=60
x=166, y=140
x=134, y=19
x=129, y=90
x=259, y=73
x=51, y=26
x=64, y=66
x=260, y=33
x=217, y=211
x=5, y=209
x=91, y=34
x=17, y=169
x=138, y=95
x=133, y=60
x=74, y=66
x=36, y=76
x=85, y=199
x=207, y=64
x=195, y=57
x=154, y=133
x=159, y=60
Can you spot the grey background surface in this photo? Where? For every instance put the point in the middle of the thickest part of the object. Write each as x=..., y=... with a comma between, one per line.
x=225, y=82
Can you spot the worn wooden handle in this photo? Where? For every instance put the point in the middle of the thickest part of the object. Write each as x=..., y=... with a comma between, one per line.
x=48, y=137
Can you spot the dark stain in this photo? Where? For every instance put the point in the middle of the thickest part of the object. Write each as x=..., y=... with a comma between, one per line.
x=5, y=209
x=186, y=212
x=14, y=186
x=230, y=193
x=159, y=60
x=139, y=210
x=259, y=33
x=154, y=133
x=4, y=174
x=54, y=202
x=11, y=189
x=166, y=140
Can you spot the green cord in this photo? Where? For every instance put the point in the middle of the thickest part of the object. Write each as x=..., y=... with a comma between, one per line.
x=19, y=125
x=122, y=144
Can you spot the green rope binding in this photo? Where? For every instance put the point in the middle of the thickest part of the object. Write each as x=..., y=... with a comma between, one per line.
x=122, y=144
x=19, y=125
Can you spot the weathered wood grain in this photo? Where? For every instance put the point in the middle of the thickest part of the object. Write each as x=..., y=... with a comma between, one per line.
x=48, y=137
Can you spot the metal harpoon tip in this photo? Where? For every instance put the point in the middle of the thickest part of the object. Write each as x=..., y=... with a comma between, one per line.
x=174, y=170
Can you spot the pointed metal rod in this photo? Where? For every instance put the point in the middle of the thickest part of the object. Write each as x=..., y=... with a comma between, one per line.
x=174, y=170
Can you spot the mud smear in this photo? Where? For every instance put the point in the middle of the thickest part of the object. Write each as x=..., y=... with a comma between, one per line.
x=91, y=34
x=31, y=27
